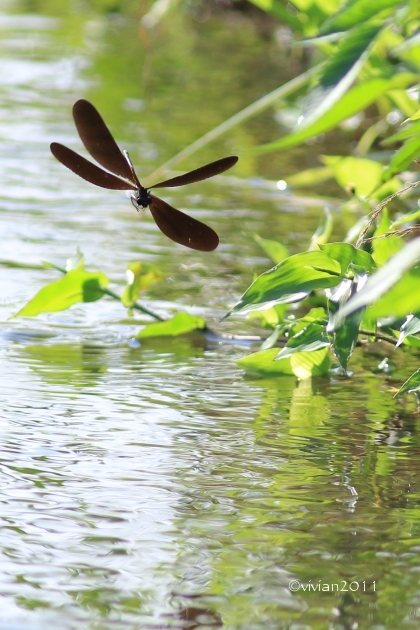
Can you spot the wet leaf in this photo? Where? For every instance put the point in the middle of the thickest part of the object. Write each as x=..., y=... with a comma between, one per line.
x=290, y=281
x=308, y=364
x=180, y=324
x=263, y=362
x=75, y=286
x=309, y=339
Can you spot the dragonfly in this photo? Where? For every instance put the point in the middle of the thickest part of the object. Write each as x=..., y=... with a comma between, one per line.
x=120, y=175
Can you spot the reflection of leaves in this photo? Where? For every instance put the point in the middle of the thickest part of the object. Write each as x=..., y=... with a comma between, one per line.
x=65, y=363
x=75, y=286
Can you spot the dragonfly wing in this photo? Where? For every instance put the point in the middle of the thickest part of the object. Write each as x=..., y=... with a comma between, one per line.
x=182, y=228
x=204, y=172
x=98, y=140
x=88, y=171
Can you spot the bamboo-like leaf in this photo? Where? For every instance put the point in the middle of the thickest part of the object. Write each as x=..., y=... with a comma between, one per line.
x=412, y=384
x=352, y=102
x=402, y=158
x=354, y=12
x=340, y=71
x=411, y=326
x=76, y=286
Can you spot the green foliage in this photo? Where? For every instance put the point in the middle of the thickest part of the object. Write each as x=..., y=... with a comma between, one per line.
x=76, y=286
x=180, y=324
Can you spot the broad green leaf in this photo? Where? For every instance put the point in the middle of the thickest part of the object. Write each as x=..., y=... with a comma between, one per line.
x=180, y=324
x=384, y=247
x=309, y=339
x=263, y=362
x=354, y=101
x=290, y=281
x=340, y=71
x=403, y=158
x=412, y=384
x=139, y=277
x=346, y=254
x=76, y=286
x=382, y=281
x=360, y=174
x=308, y=364
x=411, y=326
x=323, y=231
x=274, y=250
x=402, y=298
x=356, y=12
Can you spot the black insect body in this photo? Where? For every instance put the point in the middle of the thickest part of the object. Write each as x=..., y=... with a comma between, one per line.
x=99, y=142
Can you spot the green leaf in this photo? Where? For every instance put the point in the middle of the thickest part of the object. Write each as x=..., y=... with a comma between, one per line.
x=309, y=339
x=354, y=101
x=279, y=10
x=76, y=286
x=290, y=281
x=356, y=12
x=323, y=231
x=346, y=254
x=76, y=262
x=340, y=71
x=180, y=324
x=412, y=384
x=382, y=281
x=402, y=158
x=411, y=326
x=402, y=299
x=409, y=132
x=360, y=174
x=262, y=362
x=345, y=337
x=415, y=116
x=274, y=250
x=139, y=277
x=384, y=247
x=308, y=364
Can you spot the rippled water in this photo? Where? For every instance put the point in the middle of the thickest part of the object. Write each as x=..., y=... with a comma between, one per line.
x=158, y=486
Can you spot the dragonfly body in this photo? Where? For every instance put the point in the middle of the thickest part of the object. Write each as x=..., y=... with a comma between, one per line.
x=120, y=175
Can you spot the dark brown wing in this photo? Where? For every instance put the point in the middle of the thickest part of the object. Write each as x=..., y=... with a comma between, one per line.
x=88, y=171
x=204, y=172
x=98, y=140
x=181, y=228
